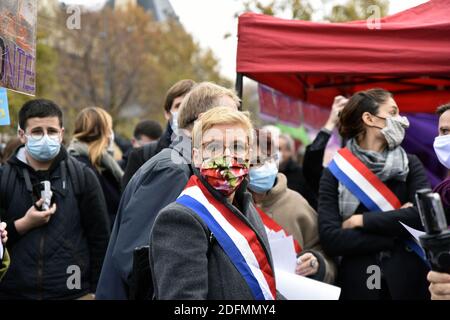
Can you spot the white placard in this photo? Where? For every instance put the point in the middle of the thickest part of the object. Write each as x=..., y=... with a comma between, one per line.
x=295, y=287
x=283, y=254
x=289, y=284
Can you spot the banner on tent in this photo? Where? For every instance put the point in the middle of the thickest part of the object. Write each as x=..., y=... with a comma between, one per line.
x=18, y=45
x=296, y=115
x=278, y=107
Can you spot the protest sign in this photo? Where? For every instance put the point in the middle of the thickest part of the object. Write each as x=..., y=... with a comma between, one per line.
x=4, y=108
x=18, y=45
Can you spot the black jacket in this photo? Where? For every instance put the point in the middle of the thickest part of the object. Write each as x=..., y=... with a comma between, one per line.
x=297, y=182
x=110, y=186
x=380, y=242
x=139, y=156
x=76, y=235
x=313, y=160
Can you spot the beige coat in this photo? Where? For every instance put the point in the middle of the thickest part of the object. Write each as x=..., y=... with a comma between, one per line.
x=292, y=212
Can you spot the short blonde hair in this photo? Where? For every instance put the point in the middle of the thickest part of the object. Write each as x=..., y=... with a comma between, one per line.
x=200, y=99
x=220, y=116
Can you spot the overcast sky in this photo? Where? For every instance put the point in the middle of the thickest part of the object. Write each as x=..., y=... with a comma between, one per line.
x=209, y=20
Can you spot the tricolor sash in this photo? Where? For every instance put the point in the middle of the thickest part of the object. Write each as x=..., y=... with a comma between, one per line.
x=367, y=187
x=236, y=238
x=271, y=224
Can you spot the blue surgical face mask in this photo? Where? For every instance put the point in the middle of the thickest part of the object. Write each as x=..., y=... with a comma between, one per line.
x=263, y=178
x=44, y=149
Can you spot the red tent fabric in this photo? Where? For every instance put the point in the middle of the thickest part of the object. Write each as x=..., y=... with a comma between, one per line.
x=409, y=56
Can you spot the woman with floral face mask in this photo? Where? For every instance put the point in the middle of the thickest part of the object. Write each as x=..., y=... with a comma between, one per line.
x=210, y=243
x=283, y=208
x=365, y=194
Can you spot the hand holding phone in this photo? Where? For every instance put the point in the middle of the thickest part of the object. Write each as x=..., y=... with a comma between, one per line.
x=46, y=195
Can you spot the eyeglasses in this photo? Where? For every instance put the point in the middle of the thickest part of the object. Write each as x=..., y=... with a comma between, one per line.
x=260, y=161
x=215, y=148
x=38, y=135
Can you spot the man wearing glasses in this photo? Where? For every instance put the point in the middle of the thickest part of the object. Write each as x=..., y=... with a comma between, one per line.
x=55, y=211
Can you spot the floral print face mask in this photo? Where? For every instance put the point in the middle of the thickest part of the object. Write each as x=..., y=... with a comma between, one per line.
x=224, y=174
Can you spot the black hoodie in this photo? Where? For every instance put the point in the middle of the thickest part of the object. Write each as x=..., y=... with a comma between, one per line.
x=139, y=156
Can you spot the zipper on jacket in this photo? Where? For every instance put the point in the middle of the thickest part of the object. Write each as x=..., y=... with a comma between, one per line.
x=41, y=267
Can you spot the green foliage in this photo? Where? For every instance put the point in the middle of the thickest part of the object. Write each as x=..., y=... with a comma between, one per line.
x=297, y=9
x=357, y=10
x=303, y=9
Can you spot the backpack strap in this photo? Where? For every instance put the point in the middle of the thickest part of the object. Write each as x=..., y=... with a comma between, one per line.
x=28, y=184
x=76, y=172
x=6, y=184
x=64, y=176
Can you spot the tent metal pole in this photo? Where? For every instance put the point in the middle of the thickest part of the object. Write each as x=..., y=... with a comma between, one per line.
x=239, y=86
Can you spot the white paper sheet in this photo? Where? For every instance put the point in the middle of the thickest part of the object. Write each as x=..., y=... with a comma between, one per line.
x=272, y=235
x=414, y=232
x=291, y=285
x=283, y=254
x=295, y=287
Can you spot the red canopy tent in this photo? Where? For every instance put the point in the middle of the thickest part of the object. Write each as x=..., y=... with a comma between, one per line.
x=409, y=55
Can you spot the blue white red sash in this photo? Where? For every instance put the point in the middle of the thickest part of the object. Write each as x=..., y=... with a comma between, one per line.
x=271, y=225
x=367, y=187
x=236, y=238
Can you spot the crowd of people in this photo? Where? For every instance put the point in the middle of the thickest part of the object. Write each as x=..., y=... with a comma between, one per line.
x=201, y=197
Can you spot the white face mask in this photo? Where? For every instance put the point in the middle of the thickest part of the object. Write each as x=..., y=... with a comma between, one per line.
x=442, y=148
x=174, y=121
x=394, y=132
x=110, y=149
